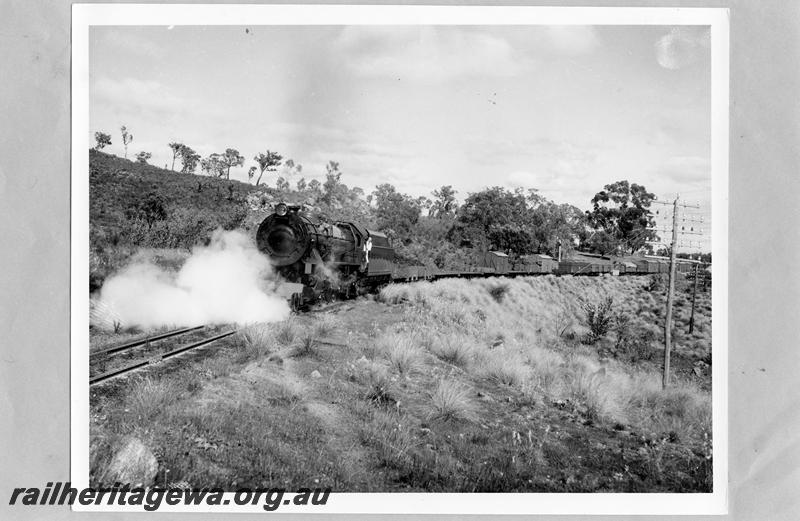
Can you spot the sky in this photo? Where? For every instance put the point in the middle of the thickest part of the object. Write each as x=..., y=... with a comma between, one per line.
x=562, y=109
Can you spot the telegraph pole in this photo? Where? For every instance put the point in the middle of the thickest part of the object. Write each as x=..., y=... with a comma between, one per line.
x=670, y=294
x=694, y=297
x=671, y=288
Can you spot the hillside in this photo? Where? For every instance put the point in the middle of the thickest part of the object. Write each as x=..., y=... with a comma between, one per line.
x=482, y=385
x=117, y=185
x=142, y=209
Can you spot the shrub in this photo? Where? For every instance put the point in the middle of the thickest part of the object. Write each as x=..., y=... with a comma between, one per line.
x=632, y=340
x=657, y=282
x=599, y=317
x=498, y=292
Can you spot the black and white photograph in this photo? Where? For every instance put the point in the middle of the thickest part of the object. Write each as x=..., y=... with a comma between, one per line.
x=416, y=252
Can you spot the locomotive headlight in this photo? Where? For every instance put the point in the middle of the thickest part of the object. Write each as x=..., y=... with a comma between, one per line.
x=281, y=209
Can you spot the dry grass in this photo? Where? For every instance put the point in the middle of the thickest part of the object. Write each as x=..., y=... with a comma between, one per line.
x=454, y=390
x=324, y=326
x=534, y=325
x=456, y=350
x=307, y=346
x=546, y=367
x=403, y=355
x=377, y=382
x=255, y=341
x=148, y=397
x=504, y=366
x=285, y=332
x=451, y=400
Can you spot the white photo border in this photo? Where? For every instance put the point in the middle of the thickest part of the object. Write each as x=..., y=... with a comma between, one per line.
x=85, y=16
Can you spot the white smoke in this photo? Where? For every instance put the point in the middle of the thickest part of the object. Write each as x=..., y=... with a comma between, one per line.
x=225, y=282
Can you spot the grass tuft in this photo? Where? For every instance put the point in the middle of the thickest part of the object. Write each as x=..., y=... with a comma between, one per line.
x=307, y=346
x=450, y=401
x=255, y=341
x=505, y=367
x=324, y=326
x=285, y=332
x=148, y=397
x=452, y=349
x=403, y=356
x=378, y=384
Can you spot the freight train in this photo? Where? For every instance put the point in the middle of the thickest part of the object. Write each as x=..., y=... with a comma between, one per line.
x=322, y=261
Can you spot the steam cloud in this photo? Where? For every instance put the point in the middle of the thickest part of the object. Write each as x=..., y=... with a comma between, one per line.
x=225, y=282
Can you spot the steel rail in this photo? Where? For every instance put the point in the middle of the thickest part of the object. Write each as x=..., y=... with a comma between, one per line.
x=135, y=343
x=152, y=360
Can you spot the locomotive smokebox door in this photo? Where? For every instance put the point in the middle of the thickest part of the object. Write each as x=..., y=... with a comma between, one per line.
x=284, y=238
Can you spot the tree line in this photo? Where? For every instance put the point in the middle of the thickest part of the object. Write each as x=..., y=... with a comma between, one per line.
x=439, y=228
x=216, y=164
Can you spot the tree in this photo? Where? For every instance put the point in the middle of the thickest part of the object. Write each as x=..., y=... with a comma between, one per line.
x=333, y=178
x=301, y=184
x=267, y=163
x=102, y=140
x=176, y=151
x=143, y=157
x=444, y=203
x=126, y=139
x=484, y=210
x=189, y=159
x=213, y=165
x=511, y=238
x=395, y=211
x=292, y=167
x=251, y=173
x=231, y=158
x=282, y=184
x=621, y=211
x=553, y=225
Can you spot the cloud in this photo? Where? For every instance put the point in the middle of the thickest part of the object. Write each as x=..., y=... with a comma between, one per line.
x=426, y=54
x=686, y=169
x=561, y=171
x=148, y=95
x=683, y=46
x=571, y=39
x=129, y=41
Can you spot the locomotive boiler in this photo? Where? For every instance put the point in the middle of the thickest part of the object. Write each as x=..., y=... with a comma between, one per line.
x=324, y=259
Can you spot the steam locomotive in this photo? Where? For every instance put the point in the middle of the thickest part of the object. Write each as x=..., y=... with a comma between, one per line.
x=324, y=260
x=329, y=260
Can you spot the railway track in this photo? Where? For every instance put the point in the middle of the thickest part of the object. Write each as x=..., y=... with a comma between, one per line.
x=123, y=359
